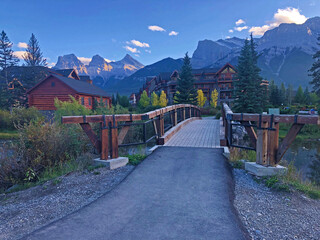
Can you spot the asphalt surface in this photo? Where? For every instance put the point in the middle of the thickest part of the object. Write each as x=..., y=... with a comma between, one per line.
x=176, y=193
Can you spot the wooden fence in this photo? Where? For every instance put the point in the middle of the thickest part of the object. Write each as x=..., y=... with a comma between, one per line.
x=265, y=140
x=107, y=144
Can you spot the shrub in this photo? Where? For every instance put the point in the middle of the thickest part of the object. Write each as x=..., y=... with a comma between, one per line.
x=21, y=116
x=41, y=146
x=5, y=120
x=73, y=108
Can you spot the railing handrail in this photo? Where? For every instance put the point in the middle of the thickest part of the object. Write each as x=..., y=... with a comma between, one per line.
x=124, y=117
x=281, y=118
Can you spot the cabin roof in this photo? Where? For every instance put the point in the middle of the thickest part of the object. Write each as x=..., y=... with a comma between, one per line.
x=84, y=78
x=79, y=86
x=82, y=86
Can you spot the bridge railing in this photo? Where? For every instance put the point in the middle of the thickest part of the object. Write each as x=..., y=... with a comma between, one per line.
x=263, y=131
x=107, y=144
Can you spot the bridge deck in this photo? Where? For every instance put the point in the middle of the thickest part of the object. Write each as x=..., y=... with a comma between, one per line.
x=199, y=133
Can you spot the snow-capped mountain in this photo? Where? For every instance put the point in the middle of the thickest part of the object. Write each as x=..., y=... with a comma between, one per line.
x=99, y=69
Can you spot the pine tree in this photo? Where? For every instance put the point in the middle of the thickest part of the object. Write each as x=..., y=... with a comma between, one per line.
x=113, y=100
x=306, y=96
x=214, y=98
x=185, y=87
x=201, y=98
x=175, y=97
x=163, y=101
x=154, y=99
x=144, y=100
x=7, y=59
x=249, y=94
x=33, y=56
x=299, y=98
x=283, y=94
x=289, y=94
x=315, y=71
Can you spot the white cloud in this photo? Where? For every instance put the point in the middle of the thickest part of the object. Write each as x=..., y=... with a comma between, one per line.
x=85, y=60
x=239, y=29
x=173, y=33
x=19, y=54
x=228, y=37
x=137, y=55
x=51, y=65
x=287, y=15
x=156, y=28
x=22, y=45
x=239, y=22
x=230, y=31
x=139, y=44
x=148, y=51
x=130, y=49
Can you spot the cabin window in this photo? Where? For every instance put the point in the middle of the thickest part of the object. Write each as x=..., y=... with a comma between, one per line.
x=53, y=84
x=82, y=100
x=89, y=101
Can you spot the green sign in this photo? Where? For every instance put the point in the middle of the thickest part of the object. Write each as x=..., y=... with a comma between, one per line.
x=274, y=111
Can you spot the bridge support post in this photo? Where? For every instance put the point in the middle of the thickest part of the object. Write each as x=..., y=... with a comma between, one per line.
x=104, y=143
x=160, y=127
x=190, y=112
x=114, y=140
x=273, y=145
x=262, y=145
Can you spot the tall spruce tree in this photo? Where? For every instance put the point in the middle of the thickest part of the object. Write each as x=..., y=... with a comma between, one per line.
x=186, y=93
x=249, y=94
x=7, y=59
x=315, y=71
x=33, y=56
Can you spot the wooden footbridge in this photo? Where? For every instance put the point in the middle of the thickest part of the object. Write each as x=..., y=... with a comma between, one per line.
x=182, y=125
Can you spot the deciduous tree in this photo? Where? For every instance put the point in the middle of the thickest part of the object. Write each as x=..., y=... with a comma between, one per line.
x=154, y=99
x=144, y=100
x=201, y=98
x=214, y=98
x=163, y=101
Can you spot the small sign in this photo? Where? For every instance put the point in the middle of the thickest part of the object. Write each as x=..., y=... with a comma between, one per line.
x=275, y=111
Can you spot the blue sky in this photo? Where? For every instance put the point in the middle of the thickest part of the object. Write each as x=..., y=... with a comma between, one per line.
x=107, y=27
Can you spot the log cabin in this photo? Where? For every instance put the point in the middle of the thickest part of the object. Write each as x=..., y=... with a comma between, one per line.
x=61, y=85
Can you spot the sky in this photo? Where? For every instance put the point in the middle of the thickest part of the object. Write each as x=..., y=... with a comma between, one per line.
x=148, y=30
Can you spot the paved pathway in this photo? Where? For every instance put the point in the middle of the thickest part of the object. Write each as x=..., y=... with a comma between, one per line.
x=199, y=133
x=176, y=193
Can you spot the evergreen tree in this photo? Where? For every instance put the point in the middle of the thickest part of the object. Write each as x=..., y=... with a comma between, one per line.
x=144, y=100
x=214, y=98
x=299, y=98
x=154, y=99
x=249, y=93
x=113, y=99
x=163, y=101
x=7, y=59
x=275, y=97
x=117, y=98
x=201, y=98
x=95, y=104
x=283, y=94
x=186, y=93
x=306, y=96
x=33, y=56
x=175, y=97
x=315, y=71
x=289, y=94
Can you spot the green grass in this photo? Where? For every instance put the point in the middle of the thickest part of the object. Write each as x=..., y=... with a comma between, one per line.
x=308, y=132
x=135, y=159
x=8, y=134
